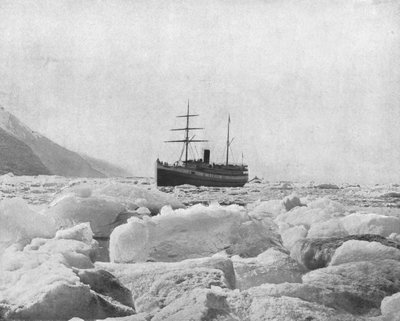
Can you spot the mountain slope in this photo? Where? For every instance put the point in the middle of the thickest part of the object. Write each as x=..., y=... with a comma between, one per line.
x=110, y=170
x=18, y=158
x=56, y=159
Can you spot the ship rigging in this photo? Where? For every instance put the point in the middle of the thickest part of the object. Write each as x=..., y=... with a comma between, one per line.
x=200, y=172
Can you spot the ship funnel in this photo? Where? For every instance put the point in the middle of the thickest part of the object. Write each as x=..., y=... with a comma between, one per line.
x=206, y=156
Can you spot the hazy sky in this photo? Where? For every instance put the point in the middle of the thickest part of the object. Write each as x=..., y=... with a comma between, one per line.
x=313, y=87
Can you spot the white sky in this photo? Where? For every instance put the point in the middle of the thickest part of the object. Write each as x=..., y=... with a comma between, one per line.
x=312, y=86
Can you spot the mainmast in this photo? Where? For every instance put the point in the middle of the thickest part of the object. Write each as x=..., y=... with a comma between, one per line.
x=227, y=141
x=186, y=141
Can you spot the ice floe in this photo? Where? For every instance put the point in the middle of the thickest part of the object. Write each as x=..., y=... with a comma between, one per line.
x=195, y=232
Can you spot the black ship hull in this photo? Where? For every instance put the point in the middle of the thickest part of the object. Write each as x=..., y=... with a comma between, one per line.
x=179, y=175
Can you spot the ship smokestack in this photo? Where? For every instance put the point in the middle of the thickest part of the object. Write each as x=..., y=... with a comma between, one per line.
x=206, y=156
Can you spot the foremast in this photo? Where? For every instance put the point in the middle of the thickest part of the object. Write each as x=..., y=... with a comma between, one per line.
x=186, y=141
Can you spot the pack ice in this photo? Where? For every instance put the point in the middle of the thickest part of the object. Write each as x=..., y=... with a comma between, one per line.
x=308, y=258
x=105, y=206
x=54, y=279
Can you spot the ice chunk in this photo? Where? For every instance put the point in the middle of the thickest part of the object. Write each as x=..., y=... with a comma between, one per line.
x=105, y=283
x=254, y=304
x=330, y=228
x=18, y=223
x=53, y=291
x=390, y=307
x=317, y=253
x=394, y=237
x=198, y=305
x=153, y=284
x=291, y=235
x=105, y=207
x=271, y=266
x=130, y=242
x=358, y=223
x=153, y=199
x=81, y=232
x=43, y=281
x=65, y=246
x=367, y=283
x=177, y=284
x=266, y=209
x=69, y=210
x=143, y=211
x=70, y=252
x=317, y=211
x=327, y=204
x=195, y=232
x=354, y=251
x=320, y=295
x=8, y=178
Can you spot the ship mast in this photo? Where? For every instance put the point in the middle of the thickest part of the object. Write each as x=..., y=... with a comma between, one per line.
x=187, y=133
x=186, y=141
x=227, y=141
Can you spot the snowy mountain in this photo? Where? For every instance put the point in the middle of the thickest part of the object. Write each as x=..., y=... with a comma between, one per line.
x=110, y=170
x=23, y=151
x=18, y=158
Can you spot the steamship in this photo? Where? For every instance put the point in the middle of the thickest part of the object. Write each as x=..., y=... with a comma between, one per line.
x=200, y=172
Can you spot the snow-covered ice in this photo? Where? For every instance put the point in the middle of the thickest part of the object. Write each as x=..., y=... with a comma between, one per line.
x=269, y=250
x=358, y=223
x=390, y=307
x=316, y=211
x=153, y=284
x=42, y=280
x=292, y=234
x=355, y=251
x=189, y=233
x=20, y=224
x=106, y=205
x=271, y=266
x=68, y=210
